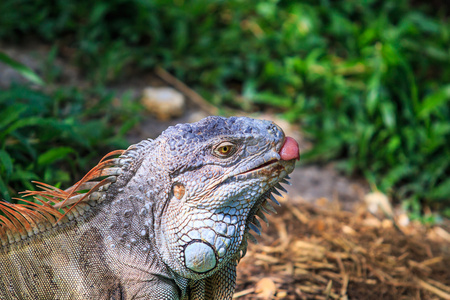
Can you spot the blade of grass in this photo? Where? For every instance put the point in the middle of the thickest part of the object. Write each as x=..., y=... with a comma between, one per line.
x=21, y=69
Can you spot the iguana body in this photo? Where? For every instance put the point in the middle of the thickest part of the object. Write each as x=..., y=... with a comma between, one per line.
x=167, y=219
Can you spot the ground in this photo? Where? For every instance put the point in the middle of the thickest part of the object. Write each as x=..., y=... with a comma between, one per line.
x=321, y=253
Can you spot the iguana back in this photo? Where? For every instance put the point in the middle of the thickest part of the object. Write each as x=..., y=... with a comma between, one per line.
x=167, y=219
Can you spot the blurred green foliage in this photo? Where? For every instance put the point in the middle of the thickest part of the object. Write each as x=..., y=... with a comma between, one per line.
x=367, y=80
x=56, y=137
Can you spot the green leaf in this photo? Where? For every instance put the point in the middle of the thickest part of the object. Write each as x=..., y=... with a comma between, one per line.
x=22, y=69
x=442, y=191
x=4, y=193
x=394, y=175
x=11, y=114
x=24, y=176
x=21, y=123
x=126, y=127
x=53, y=155
x=433, y=101
x=272, y=99
x=6, y=162
x=373, y=93
x=388, y=114
x=393, y=144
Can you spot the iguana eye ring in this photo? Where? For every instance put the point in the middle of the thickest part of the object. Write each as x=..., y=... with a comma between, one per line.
x=225, y=149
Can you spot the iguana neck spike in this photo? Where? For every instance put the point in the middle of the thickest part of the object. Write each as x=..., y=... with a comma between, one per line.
x=23, y=220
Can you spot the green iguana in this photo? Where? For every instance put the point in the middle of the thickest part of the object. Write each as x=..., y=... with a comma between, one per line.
x=167, y=219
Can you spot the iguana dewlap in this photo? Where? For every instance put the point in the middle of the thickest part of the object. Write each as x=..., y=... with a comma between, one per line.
x=167, y=219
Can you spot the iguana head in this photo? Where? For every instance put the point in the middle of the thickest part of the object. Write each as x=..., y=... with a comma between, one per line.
x=221, y=173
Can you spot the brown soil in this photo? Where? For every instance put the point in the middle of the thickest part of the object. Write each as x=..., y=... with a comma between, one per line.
x=311, y=253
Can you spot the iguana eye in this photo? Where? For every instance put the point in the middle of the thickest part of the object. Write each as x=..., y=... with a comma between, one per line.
x=225, y=149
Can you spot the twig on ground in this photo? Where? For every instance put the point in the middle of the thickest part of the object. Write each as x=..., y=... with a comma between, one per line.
x=183, y=88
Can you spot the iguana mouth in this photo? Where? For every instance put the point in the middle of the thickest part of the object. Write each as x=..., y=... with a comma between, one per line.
x=270, y=162
x=265, y=166
x=288, y=152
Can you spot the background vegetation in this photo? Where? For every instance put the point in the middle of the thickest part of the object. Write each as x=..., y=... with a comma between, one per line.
x=368, y=81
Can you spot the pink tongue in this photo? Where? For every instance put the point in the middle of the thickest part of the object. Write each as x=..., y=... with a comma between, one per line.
x=289, y=150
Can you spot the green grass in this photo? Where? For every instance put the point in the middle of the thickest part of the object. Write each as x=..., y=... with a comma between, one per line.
x=367, y=80
x=56, y=137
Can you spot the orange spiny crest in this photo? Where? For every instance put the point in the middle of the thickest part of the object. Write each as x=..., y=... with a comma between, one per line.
x=112, y=153
x=94, y=173
x=11, y=219
x=20, y=218
x=5, y=222
x=51, y=193
x=25, y=217
x=13, y=213
x=95, y=188
x=43, y=208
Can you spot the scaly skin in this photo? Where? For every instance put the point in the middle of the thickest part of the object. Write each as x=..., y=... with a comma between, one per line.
x=170, y=221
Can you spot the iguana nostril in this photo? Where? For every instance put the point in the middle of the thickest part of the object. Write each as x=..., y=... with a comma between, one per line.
x=178, y=190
